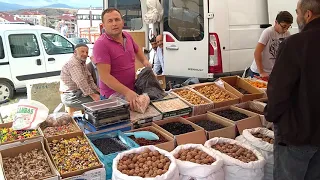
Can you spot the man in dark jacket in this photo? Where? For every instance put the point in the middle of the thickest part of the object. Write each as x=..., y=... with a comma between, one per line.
x=294, y=97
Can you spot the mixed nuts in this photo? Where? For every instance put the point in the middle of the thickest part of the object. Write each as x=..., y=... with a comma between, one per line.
x=145, y=164
x=30, y=165
x=195, y=156
x=236, y=151
x=59, y=130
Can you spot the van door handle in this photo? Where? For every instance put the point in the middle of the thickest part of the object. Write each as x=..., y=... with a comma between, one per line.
x=172, y=47
x=38, y=62
x=51, y=59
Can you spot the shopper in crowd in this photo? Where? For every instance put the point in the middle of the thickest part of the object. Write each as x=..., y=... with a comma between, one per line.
x=267, y=47
x=114, y=54
x=77, y=85
x=158, y=67
x=293, y=105
x=153, y=50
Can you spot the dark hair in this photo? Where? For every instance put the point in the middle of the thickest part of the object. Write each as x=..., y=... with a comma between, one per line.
x=110, y=10
x=153, y=39
x=284, y=16
x=311, y=5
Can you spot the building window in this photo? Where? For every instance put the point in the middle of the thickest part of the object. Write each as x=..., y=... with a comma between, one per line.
x=184, y=19
x=83, y=17
x=24, y=45
x=1, y=49
x=96, y=17
x=131, y=12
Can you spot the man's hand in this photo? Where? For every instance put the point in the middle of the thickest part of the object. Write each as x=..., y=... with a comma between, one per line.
x=131, y=97
x=264, y=74
x=95, y=97
x=146, y=63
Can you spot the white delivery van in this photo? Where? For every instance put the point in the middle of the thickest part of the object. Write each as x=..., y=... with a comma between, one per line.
x=28, y=53
x=207, y=38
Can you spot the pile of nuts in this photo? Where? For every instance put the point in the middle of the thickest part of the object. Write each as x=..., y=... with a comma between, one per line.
x=214, y=93
x=170, y=105
x=58, y=130
x=236, y=152
x=191, y=97
x=264, y=138
x=73, y=154
x=145, y=164
x=30, y=165
x=195, y=156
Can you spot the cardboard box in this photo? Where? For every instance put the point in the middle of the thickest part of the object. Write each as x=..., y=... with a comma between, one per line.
x=235, y=99
x=168, y=146
x=9, y=125
x=195, y=137
x=196, y=109
x=174, y=113
x=24, y=148
x=42, y=127
x=252, y=121
x=149, y=116
x=162, y=81
x=95, y=174
x=229, y=130
x=235, y=81
x=73, y=173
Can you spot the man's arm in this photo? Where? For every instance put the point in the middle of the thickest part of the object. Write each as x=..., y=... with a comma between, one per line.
x=105, y=76
x=79, y=78
x=283, y=79
x=258, y=58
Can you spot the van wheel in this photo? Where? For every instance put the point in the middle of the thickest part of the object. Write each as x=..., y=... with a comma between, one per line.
x=6, y=91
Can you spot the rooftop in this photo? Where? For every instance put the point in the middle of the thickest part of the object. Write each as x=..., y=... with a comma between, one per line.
x=31, y=13
x=10, y=18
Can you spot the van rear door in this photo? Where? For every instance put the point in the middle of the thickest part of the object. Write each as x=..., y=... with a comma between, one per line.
x=26, y=58
x=275, y=6
x=186, y=43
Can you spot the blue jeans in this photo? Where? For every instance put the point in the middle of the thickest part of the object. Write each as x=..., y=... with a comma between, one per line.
x=295, y=162
x=252, y=74
x=102, y=97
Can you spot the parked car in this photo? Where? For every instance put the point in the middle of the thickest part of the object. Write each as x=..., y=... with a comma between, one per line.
x=83, y=40
x=28, y=53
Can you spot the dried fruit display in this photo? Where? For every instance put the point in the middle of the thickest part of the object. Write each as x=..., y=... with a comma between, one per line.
x=209, y=125
x=8, y=134
x=170, y=105
x=145, y=164
x=195, y=156
x=150, y=112
x=232, y=115
x=257, y=84
x=145, y=142
x=236, y=151
x=264, y=138
x=177, y=128
x=73, y=154
x=30, y=165
x=253, y=110
x=214, y=93
x=59, y=130
x=109, y=145
x=242, y=91
x=191, y=97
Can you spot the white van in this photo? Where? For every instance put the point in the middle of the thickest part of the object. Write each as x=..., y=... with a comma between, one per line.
x=30, y=52
x=207, y=38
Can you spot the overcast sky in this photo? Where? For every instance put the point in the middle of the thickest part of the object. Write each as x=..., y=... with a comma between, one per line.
x=72, y=3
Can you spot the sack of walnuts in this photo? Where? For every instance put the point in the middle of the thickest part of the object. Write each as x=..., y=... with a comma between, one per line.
x=197, y=162
x=262, y=139
x=241, y=161
x=147, y=162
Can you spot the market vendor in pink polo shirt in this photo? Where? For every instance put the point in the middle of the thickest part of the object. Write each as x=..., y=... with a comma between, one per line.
x=114, y=54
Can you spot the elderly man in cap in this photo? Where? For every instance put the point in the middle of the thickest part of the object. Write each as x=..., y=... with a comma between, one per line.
x=77, y=85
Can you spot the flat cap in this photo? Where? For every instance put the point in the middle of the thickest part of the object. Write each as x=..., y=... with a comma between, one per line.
x=81, y=45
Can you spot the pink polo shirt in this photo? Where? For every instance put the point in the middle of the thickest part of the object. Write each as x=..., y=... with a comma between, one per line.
x=120, y=57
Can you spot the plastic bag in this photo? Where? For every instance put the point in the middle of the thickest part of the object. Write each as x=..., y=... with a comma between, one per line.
x=58, y=118
x=171, y=174
x=235, y=169
x=154, y=12
x=189, y=170
x=265, y=148
x=142, y=103
x=148, y=83
x=30, y=114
